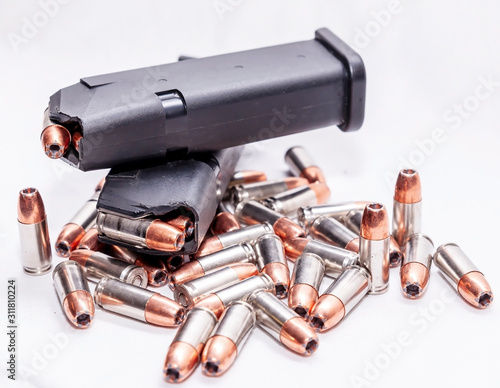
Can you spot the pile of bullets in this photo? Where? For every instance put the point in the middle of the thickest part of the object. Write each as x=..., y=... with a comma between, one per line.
x=173, y=211
x=239, y=277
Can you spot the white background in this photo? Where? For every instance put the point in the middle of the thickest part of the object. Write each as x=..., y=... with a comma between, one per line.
x=423, y=60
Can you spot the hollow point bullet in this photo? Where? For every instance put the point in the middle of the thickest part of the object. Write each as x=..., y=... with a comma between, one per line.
x=283, y=324
x=253, y=212
x=183, y=355
x=55, y=138
x=156, y=270
x=407, y=210
x=271, y=260
x=340, y=298
x=146, y=233
x=307, y=275
x=73, y=291
x=174, y=262
x=287, y=202
x=374, y=246
x=82, y=222
x=458, y=270
x=241, y=253
x=33, y=232
x=415, y=269
x=301, y=164
x=138, y=303
x=98, y=265
x=266, y=189
x=336, y=259
x=353, y=221
x=184, y=223
x=224, y=222
x=219, y=300
x=247, y=176
x=330, y=230
x=225, y=344
x=190, y=292
x=247, y=234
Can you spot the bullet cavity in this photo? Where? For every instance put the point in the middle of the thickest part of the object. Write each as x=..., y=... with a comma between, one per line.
x=211, y=368
x=83, y=319
x=311, y=346
x=485, y=300
x=413, y=290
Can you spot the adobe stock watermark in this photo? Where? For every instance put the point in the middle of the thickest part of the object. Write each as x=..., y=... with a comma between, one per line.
x=222, y=7
x=453, y=118
x=379, y=21
x=41, y=358
x=419, y=321
x=31, y=26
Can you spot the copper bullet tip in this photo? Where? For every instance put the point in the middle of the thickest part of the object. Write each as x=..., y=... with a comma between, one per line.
x=181, y=360
x=414, y=279
x=408, y=187
x=68, y=239
x=157, y=277
x=183, y=223
x=218, y=355
x=322, y=192
x=213, y=303
x=209, y=245
x=244, y=270
x=475, y=289
x=88, y=241
x=299, y=337
x=285, y=228
x=174, y=262
x=302, y=298
x=224, y=222
x=353, y=245
x=55, y=141
x=294, y=247
x=326, y=313
x=280, y=275
x=313, y=174
x=75, y=140
x=79, y=308
x=185, y=273
x=295, y=181
x=163, y=311
x=30, y=208
x=247, y=176
x=164, y=237
x=375, y=222
x=80, y=256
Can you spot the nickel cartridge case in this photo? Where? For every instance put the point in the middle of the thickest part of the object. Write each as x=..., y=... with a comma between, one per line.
x=33, y=232
x=416, y=266
x=374, y=246
x=73, y=291
x=230, y=335
x=458, y=270
x=283, y=324
x=340, y=298
x=98, y=265
x=138, y=303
